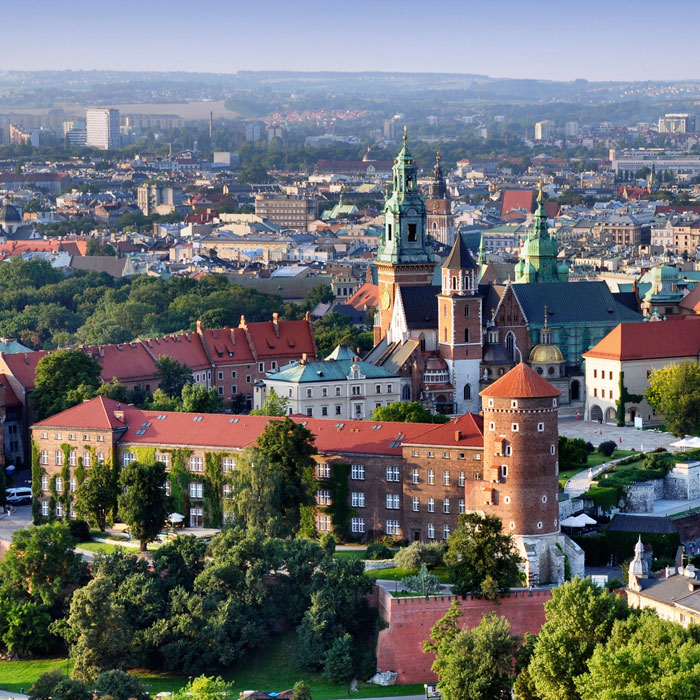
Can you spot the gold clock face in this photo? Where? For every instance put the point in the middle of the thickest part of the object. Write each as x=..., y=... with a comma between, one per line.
x=386, y=299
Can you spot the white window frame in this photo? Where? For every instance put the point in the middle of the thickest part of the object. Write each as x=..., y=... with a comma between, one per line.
x=416, y=504
x=393, y=473
x=357, y=472
x=357, y=498
x=357, y=525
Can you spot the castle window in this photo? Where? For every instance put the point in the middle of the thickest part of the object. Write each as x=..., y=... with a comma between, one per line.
x=431, y=505
x=461, y=479
x=490, y=403
x=513, y=404
x=492, y=426
x=466, y=335
x=512, y=526
x=446, y=532
x=554, y=403
x=414, y=477
x=454, y=283
x=540, y=427
x=431, y=531
x=539, y=526
x=544, y=499
x=444, y=310
x=466, y=311
x=504, y=471
x=431, y=476
x=462, y=508
x=552, y=449
x=412, y=230
x=444, y=335
x=506, y=500
x=388, y=231
x=514, y=427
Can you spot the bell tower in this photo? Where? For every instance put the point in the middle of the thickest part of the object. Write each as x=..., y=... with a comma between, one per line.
x=404, y=256
x=459, y=326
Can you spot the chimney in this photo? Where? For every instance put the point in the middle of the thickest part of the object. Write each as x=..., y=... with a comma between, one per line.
x=102, y=351
x=276, y=323
x=458, y=435
x=243, y=324
x=358, y=351
x=199, y=327
x=303, y=358
x=119, y=415
x=307, y=316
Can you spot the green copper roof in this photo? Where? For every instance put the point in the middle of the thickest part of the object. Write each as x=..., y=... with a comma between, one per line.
x=327, y=371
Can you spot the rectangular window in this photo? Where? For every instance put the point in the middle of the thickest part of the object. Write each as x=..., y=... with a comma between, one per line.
x=388, y=389
x=446, y=505
x=431, y=505
x=378, y=389
x=337, y=391
x=504, y=471
x=163, y=459
x=128, y=458
x=415, y=478
x=309, y=393
x=392, y=527
x=247, y=379
x=100, y=457
x=431, y=531
x=445, y=532
x=445, y=478
x=431, y=476
x=71, y=436
x=324, y=391
x=323, y=471
x=324, y=410
x=357, y=524
x=87, y=458
x=392, y=501
x=462, y=479
x=220, y=374
x=358, y=499
x=72, y=484
x=228, y=464
x=357, y=472
x=445, y=455
x=323, y=497
x=234, y=389
x=416, y=504
x=338, y=410
x=196, y=464
x=59, y=510
x=72, y=458
x=392, y=473
x=196, y=489
x=100, y=438
x=226, y=490
x=323, y=523
x=310, y=412
x=261, y=366
x=233, y=374
x=167, y=487
x=430, y=454
x=44, y=457
x=462, y=509
x=59, y=458
x=45, y=508
x=59, y=484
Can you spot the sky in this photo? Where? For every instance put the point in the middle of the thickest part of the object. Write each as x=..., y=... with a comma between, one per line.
x=555, y=40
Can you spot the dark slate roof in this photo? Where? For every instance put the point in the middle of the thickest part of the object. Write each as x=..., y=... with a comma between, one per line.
x=459, y=258
x=420, y=306
x=571, y=302
x=628, y=299
x=641, y=524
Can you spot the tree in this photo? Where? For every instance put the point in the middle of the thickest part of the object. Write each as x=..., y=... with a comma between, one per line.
x=423, y=582
x=572, y=453
x=321, y=294
x=290, y=448
x=674, y=392
x=95, y=247
x=180, y=561
x=26, y=628
x=407, y=412
x=205, y=688
x=97, y=630
x=160, y=401
x=199, y=399
x=53, y=685
x=475, y=664
x=173, y=375
x=337, y=665
x=142, y=505
x=121, y=685
x=273, y=405
x=301, y=691
x=480, y=557
x=577, y=618
x=623, y=399
x=96, y=497
x=59, y=374
x=656, y=658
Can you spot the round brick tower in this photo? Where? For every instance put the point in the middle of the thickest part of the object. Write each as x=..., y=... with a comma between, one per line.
x=519, y=481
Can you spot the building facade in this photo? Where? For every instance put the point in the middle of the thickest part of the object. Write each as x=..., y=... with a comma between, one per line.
x=102, y=128
x=288, y=212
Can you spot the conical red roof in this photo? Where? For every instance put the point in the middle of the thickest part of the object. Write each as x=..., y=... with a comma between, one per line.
x=521, y=383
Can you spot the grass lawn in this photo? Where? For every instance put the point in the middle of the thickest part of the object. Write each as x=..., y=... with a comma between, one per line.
x=593, y=461
x=103, y=547
x=397, y=574
x=350, y=554
x=271, y=669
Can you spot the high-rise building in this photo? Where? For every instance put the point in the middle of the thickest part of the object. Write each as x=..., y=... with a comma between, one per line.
x=677, y=124
x=544, y=130
x=102, y=128
x=572, y=130
x=158, y=198
x=287, y=211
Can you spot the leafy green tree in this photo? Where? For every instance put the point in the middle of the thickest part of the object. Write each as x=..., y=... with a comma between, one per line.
x=199, y=399
x=173, y=375
x=423, y=582
x=180, y=561
x=59, y=374
x=273, y=405
x=644, y=657
x=337, y=665
x=321, y=294
x=160, y=401
x=96, y=497
x=301, y=691
x=290, y=448
x=674, y=392
x=97, y=630
x=336, y=329
x=407, y=412
x=121, y=685
x=142, y=505
x=474, y=664
x=572, y=453
x=577, y=618
x=205, y=688
x=114, y=390
x=95, y=247
x=481, y=558
x=25, y=627
x=53, y=685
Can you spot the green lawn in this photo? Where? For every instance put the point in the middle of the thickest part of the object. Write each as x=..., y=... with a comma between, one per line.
x=271, y=669
x=594, y=460
x=103, y=547
x=397, y=574
x=350, y=554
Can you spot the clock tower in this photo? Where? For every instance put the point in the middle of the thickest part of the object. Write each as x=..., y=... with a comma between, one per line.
x=404, y=256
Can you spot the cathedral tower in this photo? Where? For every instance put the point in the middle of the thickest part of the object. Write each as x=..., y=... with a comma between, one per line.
x=459, y=326
x=404, y=256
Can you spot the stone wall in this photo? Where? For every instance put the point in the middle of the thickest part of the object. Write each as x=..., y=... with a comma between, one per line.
x=683, y=481
x=409, y=620
x=641, y=497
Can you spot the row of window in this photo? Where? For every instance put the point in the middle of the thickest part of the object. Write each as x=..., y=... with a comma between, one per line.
x=59, y=509
x=356, y=390
x=358, y=410
x=234, y=373
x=515, y=427
x=393, y=527
x=357, y=473
x=430, y=454
x=72, y=458
x=72, y=436
x=514, y=403
x=602, y=393
x=196, y=464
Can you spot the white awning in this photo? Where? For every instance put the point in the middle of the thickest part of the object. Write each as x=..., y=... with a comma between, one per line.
x=176, y=518
x=578, y=521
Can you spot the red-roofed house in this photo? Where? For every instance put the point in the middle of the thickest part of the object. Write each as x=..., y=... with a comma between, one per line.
x=636, y=349
x=518, y=199
x=391, y=470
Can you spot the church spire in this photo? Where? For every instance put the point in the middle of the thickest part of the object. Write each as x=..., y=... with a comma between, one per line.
x=481, y=257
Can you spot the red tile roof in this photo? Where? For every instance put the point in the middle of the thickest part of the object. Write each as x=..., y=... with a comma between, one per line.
x=367, y=295
x=228, y=346
x=692, y=300
x=677, y=337
x=225, y=431
x=283, y=339
x=464, y=431
x=22, y=366
x=518, y=199
x=129, y=362
x=10, y=396
x=186, y=348
x=521, y=382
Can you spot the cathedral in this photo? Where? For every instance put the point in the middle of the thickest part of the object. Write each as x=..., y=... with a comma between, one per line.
x=448, y=335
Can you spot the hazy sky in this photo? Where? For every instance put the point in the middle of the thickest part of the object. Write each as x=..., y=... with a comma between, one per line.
x=612, y=40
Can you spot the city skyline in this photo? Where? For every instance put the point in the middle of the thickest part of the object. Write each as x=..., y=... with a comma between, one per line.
x=549, y=41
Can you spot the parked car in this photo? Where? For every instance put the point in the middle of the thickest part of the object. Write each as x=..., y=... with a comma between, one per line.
x=18, y=496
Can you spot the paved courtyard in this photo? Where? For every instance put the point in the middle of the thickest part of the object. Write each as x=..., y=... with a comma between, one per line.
x=632, y=439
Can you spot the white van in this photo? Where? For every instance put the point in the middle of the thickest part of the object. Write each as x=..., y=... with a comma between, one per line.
x=19, y=496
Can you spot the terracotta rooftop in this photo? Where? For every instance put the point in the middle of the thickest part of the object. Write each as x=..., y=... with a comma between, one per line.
x=99, y=413
x=677, y=337
x=521, y=383
x=464, y=431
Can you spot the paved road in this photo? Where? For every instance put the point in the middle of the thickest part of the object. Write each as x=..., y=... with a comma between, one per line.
x=631, y=437
x=7, y=695
x=21, y=518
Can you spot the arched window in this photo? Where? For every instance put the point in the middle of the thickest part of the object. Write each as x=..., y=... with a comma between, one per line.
x=510, y=345
x=467, y=392
x=466, y=335
x=388, y=231
x=454, y=283
x=434, y=225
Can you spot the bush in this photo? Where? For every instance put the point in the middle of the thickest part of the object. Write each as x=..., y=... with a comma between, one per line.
x=614, y=583
x=328, y=543
x=607, y=447
x=590, y=448
x=337, y=667
x=121, y=685
x=418, y=553
x=79, y=529
x=378, y=551
x=572, y=453
x=53, y=684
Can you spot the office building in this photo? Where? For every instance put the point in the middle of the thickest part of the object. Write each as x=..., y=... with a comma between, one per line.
x=288, y=212
x=544, y=130
x=102, y=128
x=677, y=124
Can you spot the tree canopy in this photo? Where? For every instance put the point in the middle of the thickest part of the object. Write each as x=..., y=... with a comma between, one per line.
x=407, y=412
x=142, y=504
x=674, y=392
